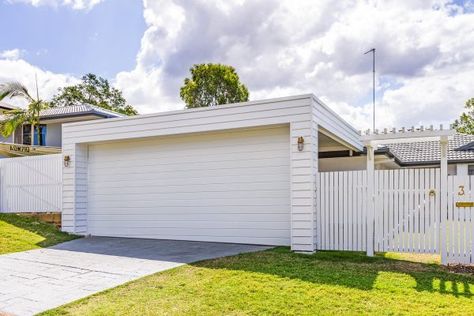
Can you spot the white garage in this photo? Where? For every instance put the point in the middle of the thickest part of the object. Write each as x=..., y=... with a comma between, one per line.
x=228, y=186
x=243, y=173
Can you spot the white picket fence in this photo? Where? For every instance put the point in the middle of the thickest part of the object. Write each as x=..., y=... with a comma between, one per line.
x=459, y=224
x=31, y=184
x=342, y=209
x=407, y=213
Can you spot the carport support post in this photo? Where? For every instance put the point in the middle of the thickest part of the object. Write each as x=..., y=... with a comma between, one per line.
x=371, y=199
x=443, y=142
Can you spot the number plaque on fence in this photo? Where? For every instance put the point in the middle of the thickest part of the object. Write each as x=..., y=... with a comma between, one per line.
x=464, y=204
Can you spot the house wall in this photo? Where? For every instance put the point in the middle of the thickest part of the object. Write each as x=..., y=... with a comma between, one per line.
x=53, y=134
x=304, y=114
x=343, y=164
x=360, y=163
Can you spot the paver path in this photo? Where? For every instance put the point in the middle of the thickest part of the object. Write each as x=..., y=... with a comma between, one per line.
x=38, y=280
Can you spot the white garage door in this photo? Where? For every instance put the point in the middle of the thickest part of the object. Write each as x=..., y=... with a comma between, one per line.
x=229, y=186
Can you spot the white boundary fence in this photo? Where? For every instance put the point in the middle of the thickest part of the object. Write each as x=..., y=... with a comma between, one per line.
x=342, y=198
x=460, y=220
x=31, y=184
x=408, y=215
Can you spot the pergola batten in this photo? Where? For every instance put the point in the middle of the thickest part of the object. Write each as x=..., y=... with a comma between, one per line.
x=372, y=140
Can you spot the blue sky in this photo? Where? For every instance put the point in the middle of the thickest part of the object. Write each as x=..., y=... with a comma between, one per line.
x=103, y=40
x=425, y=50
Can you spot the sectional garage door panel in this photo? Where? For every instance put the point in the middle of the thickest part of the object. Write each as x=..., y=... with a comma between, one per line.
x=229, y=186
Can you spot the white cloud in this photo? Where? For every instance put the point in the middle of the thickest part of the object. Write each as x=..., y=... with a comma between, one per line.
x=11, y=54
x=425, y=51
x=75, y=4
x=22, y=71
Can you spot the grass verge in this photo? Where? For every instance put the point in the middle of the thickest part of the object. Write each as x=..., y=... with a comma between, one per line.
x=20, y=233
x=279, y=282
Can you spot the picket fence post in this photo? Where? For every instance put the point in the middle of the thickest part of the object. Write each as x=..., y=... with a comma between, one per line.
x=444, y=197
x=371, y=199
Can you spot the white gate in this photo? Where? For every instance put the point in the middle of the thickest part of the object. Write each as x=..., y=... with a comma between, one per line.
x=31, y=184
x=407, y=213
x=407, y=217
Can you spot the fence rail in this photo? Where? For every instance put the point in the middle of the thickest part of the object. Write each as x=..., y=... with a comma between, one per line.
x=31, y=184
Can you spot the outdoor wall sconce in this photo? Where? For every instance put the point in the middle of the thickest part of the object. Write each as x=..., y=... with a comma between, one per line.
x=67, y=161
x=300, y=143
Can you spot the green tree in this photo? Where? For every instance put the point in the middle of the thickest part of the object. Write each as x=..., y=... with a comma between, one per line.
x=96, y=91
x=17, y=117
x=465, y=124
x=212, y=84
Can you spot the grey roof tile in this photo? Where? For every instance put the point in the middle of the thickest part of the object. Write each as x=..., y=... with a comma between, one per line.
x=429, y=151
x=77, y=110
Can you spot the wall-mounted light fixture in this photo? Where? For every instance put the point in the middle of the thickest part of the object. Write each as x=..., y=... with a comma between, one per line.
x=67, y=161
x=300, y=143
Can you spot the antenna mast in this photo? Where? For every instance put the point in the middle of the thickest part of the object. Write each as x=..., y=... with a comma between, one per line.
x=373, y=85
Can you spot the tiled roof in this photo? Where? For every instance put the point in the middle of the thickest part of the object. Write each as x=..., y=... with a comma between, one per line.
x=429, y=151
x=74, y=110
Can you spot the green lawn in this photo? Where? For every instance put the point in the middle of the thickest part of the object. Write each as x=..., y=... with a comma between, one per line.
x=278, y=282
x=19, y=233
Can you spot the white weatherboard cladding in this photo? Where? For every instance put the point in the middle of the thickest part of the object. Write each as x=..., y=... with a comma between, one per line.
x=229, y=186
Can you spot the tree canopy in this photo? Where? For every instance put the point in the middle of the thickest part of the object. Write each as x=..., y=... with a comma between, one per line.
x=96, y=91
x=212, y=84
x=465, y=124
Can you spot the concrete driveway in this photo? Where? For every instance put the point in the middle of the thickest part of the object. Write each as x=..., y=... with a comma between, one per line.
x=38, y=280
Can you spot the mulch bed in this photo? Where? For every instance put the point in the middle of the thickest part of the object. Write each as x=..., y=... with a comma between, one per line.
x=460, y=268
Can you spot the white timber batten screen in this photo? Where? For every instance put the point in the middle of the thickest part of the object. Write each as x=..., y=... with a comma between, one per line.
x=31, y=184
x=342, y=220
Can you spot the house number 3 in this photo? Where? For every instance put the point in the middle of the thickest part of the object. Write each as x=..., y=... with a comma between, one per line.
x=461, y=190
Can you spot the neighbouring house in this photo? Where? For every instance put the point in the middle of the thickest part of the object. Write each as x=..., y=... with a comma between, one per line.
x=49, y=138
x=404, y=155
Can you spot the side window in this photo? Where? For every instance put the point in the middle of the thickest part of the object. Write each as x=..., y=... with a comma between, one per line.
x=39, y=138
x=26, y=134
x=470, y=170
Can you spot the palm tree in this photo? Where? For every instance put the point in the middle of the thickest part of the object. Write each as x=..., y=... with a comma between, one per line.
x=18, y=117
